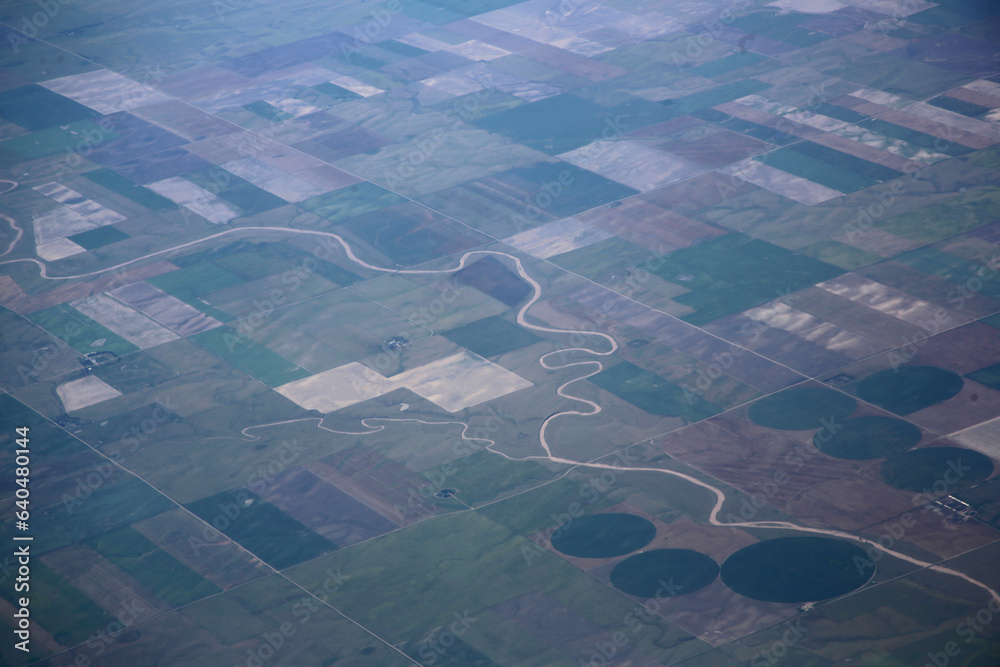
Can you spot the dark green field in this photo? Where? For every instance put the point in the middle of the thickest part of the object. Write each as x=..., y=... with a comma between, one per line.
x=989, y=376
x=828, y=167
x=664, y=572
x=36, y=108
x=249, y=356
x=727, y=92
x=734, y=272
x=909, y=388
x=868, y=438
x=152, y=567
x=267, y=532
x=241, y=193
x=491, y=336
x=652, y=393
x=98, y=238
x=491, y=277
x=801, y=408
x=795, y=569
x=603, y=535
x=59, y=139
x=936, y=469
x=69, y=615
x=120, y=185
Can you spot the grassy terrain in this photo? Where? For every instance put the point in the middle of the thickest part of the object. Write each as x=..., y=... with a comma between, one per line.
x=249, y=356
x=168, y=578
x=650, y=392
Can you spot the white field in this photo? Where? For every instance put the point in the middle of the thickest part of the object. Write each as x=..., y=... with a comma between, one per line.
x=557, y=237
x=807, y=6
x=73, y=200
x=630, y=163
x=127, y=322
x=983, y=438
x=198, y=200
x=171, y=312
x=887, y=300
x=84, y=392
x=360, y=87
x=476, y=50
x=781, y=316
x=276, y=181
x=58, y=249
x=781, y=182
x=59, y=223
x=105, y=91
x=803, y=116
x=453, y=383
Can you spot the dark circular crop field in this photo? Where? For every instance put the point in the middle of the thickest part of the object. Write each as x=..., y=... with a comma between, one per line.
x=795, y=569
x=936, y=469
x=909, y=388
x=603, y=535
x=801, y=408
x=868, y=438
x=664, y=573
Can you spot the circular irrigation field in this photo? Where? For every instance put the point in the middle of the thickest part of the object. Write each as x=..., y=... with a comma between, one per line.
x=604, y=535
x=664, y=572
x=909, y=388
x=801, y=408
x=795, y=569
x=868, y=438
x=936, y=469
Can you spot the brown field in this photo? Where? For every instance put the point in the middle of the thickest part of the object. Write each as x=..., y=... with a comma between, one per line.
x=105, y=583
x=324, y=508
x=376, y=481
x=218, y=559
x=75, y=291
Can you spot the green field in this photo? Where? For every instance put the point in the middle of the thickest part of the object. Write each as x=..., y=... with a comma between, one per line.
x=263, y=529
x=491, y=336
x=747, y=127
x=863, y=438
x=36, y=108
x=828, y=167
x=909, y=388
x=727, y=92
x=915, y=137
x=989, y=376
x=59, y=139
x=350, y=202
x=650, y=392
x=251, y=357
x=955, y=269
x=121, y=499
x=67, y=614
x=603, y=535
x=168, y=578
x=795, y=569
x=482, y=476
x=664, y=572
x=241, y=193
x=120, y=185
x=734, y=272
x=926, y=470
x=79, y=331
x=98, y=238
x=801, y=408
x=137, y=371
